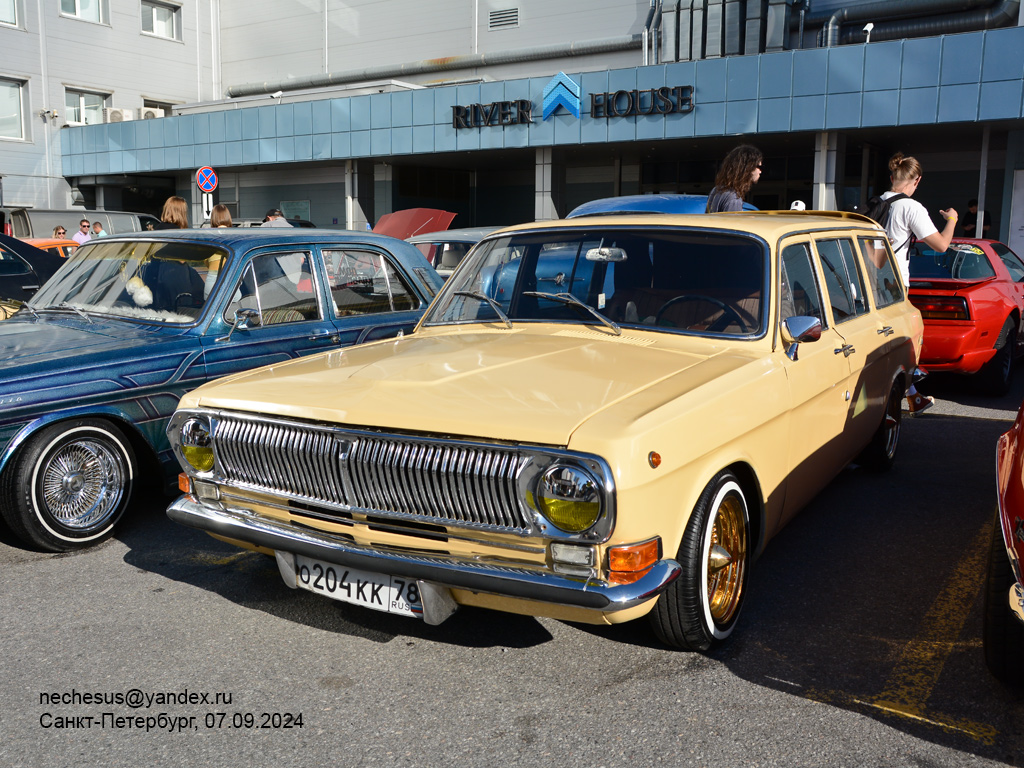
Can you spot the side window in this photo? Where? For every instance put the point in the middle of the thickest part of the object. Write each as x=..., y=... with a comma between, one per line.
x=800, y=295
x=885, y=286
x=842, y=279
x=279, y=286
x=11, y=264
x=364, y=282
x=1012, y=262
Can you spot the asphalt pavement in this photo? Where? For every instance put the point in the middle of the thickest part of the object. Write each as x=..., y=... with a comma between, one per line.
x=859, y=645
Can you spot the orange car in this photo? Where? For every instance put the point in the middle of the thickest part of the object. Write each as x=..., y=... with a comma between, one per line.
x=62, y=248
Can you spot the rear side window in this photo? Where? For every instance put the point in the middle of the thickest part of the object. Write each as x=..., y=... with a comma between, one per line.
x=364, y=282
x=886, y=288
x=842, y=279
x=1011, y=260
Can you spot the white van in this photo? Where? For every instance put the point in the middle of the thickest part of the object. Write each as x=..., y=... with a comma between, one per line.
x=39, y=222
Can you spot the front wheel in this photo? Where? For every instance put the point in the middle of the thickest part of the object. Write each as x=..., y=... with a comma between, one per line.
x=1002, y=633
x=69, y=485
x=702, y=605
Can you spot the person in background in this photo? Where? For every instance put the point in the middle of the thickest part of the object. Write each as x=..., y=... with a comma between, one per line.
x=969, y=222
x=97, y=229
x=741, y=169
x=220, y=216
x=82, y=235
x=909, y=219
x=174, y=214
x=59, y=232
x=275, y=218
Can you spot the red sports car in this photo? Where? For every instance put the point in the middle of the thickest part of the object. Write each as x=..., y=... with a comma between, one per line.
x=971, y=297
x=1003, y=631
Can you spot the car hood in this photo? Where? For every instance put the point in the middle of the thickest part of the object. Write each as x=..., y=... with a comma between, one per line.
x=517, y=385
x=55, y=343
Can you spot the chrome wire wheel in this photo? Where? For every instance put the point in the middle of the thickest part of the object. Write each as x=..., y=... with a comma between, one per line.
x=726, y=561
x=891, y=424
x=82, y=483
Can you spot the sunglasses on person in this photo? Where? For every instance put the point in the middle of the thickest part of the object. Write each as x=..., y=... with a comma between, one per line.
x=85, y=226
x=61, y=232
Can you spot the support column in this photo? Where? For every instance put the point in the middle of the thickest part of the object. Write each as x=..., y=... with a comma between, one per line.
x=982, y=181
x=829, y=148
x=548, y=186
x=355, y=216
x=383, y=189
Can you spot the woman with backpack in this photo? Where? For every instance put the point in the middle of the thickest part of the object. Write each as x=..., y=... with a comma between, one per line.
x=906, y=220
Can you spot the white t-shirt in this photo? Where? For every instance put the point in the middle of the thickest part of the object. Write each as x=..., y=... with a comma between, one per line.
x=906, y=217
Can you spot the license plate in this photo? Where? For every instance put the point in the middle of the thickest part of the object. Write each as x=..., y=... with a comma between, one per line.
x=391, y=594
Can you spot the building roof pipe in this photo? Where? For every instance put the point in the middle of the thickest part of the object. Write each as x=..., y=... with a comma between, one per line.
x=389, y=71
x=646, y=34
x=891, y=9
x=1003, y=14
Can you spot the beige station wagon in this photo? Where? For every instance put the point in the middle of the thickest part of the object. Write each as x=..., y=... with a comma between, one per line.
x=597, y=419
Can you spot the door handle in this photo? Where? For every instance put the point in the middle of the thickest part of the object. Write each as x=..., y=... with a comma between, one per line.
x=887, y=331
x=846, y=349
x=333, y=336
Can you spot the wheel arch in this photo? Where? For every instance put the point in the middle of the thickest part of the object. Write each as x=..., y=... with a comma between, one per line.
x=751, y=487
x=145, y=453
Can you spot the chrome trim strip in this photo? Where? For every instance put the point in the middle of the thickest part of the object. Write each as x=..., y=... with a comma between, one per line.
x=446, y=570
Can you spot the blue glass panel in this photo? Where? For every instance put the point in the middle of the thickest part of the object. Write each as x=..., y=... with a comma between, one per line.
x=302, y=115
x=710, y=82
x=341, y=145
x=842, y=110
x=250, y=124
x=423, y=107
x=444, y=100
x=401, y=108
x=918, y=105
x=268, y=150
x=360, y=106
x=304, y=147
x=958, y=102
x=218, y=154
x=285, y=120
x=321, y=117
x=846, y=69
x=742, y=79
x=232, y=125
x=469, y=138
x=646, y=77
x=810, y=73
x=709, y=119
x=741, y=117
x=776, y=75
x=1000, y=100
x=808, y=113
x=360, y=143
x=200, y=129
x=422, y=137
x=341, y=115
x=170, y=131
x=250, y=151
x=234, y=152
x=401, y=140
x=880, y=108
x=380, y=142
x=444, y=138
x=1002, y=59
x=380, y=110
x=216, y=127
x=567, y=129
x=679, y=124
x=773, y=115
x=961, y=59
x=321, y=146
x=187, y=157
x=921, y=59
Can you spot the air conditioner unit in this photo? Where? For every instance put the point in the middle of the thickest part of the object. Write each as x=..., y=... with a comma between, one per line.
x=149, y=113
x=116, y=115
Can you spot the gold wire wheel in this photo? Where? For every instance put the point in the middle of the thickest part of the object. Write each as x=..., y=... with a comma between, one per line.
x=727, y=559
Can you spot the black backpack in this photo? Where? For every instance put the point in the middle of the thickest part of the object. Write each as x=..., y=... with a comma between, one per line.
x=879, y=210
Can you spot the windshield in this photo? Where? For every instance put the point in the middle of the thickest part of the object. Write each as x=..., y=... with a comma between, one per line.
x=961, y=261
x=696, y=281
x=166, y=282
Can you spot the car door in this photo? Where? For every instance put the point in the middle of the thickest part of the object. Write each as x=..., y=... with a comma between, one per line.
x=863, y=334
x=282, y=287
x=370, y=296
x=818, y=378
x=1015, y=267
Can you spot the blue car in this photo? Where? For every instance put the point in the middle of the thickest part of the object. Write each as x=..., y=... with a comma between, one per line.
x=95, y=362
x=607, y=206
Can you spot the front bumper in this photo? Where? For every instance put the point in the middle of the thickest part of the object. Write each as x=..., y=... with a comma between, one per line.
x=445, y=570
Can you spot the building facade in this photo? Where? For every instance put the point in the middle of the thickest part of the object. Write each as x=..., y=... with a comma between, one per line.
x=508, y=111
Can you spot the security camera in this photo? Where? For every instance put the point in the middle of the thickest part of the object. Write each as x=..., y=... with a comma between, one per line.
x=868, y=27
x=277, y=94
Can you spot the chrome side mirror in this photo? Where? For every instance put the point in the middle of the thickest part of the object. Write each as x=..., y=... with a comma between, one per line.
x=797, y=330
x=243, y=320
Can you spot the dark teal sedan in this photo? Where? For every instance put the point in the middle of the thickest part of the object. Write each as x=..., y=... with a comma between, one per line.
x=95, y=362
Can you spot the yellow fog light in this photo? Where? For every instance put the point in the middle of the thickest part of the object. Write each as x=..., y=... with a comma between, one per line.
x=569, y=497
x=197, y=444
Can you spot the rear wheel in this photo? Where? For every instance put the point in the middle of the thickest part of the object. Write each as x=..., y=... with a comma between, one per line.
x=701, y=607
x=996, y=375
x=1002, y=632
x=69, y=485
x=880, y=453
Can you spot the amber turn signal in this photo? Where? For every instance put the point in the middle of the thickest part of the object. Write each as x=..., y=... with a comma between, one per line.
x=629, y=562
x=184, y=483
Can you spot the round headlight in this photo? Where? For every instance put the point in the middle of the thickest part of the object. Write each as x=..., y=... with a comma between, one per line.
x=197, y=444
x=569, y=497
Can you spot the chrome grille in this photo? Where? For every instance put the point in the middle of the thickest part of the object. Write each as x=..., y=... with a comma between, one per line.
x=459, y=484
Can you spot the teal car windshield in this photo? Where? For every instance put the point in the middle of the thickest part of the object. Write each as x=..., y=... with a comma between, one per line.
x=166, y=282
x=695, y=281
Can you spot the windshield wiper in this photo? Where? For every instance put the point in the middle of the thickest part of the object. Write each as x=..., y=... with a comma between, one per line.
x=30, y=308
x=572, y=301
x=494, y=305
x=76, y=310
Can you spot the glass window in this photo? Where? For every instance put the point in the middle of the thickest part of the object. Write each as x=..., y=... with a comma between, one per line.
x=11, y=264
x=161, y=20
x=8, y=12
x=279, y=286
x=881, y=275
x=81, y=107
x=1011, y=260
x=800, y=295
x=842, y=278
x=88, y=10
x=961, y=261
x=12, y=125
x=363, y=282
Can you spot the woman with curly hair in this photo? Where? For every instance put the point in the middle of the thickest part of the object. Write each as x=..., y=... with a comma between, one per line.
x=175, y=214
x=740, y=170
